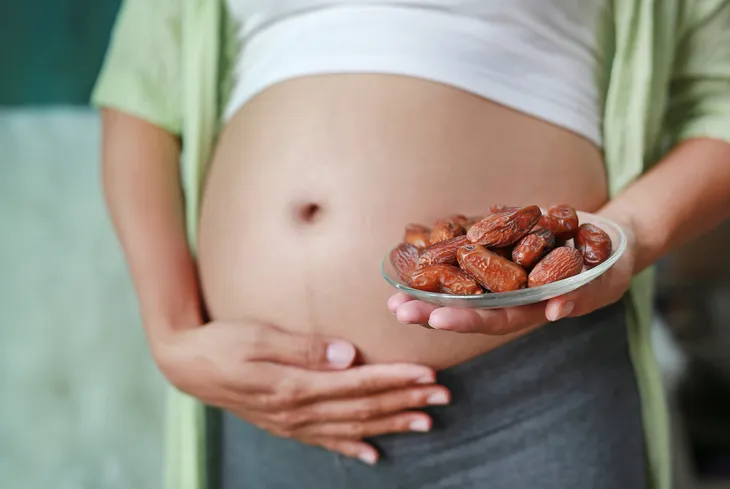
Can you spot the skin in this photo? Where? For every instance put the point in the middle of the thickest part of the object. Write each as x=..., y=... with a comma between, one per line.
x=333, y=368
x=262, y=261
x=659, y=212
x=296, y=385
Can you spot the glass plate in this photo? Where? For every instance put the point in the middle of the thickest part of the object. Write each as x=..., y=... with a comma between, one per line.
x=520, y=297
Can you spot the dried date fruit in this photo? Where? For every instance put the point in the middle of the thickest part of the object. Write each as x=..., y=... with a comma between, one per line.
x=404, y=258
x=559, y=264
x=447, y=229
x=505, y=252
x=443, y=252
x=562, y=220
x=444, y=278
x=594, y=244
x=460, y=220
x=533, y=247
x=504, y=228
x=496, y=209
x=471, y=220
x=492, y=271
x=417, y=235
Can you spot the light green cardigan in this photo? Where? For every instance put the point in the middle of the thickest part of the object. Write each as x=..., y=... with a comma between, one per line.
x=666, y=78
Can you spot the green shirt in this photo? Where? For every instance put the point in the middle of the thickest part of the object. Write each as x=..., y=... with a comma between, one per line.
x=666, y=78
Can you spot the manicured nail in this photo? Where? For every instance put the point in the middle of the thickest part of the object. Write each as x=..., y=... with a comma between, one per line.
x=420, y=425
x=340, y=354
x=564, y=310
x=438, y=399
x=426, y=379
x=368, y=458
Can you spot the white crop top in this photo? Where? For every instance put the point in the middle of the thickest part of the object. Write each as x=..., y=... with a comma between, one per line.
x=539, y=57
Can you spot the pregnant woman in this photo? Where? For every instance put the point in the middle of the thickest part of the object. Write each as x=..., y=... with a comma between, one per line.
x=262, y=156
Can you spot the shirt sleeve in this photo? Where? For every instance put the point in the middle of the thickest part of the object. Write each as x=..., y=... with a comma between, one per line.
x=141, y=72
x=699, y=99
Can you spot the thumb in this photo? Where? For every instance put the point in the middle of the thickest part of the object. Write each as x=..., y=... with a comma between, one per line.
x=302, y=350
x=578, y=302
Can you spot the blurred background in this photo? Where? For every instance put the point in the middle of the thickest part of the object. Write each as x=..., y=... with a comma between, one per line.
x=80, y=399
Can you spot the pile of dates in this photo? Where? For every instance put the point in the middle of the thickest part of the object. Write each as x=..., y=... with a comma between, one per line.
x=509, y=249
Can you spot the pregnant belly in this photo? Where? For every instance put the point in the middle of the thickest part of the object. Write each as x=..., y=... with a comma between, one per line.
x=313, y=181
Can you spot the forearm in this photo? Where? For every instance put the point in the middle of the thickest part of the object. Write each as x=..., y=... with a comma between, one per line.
x=142, y=188
x=682, y=197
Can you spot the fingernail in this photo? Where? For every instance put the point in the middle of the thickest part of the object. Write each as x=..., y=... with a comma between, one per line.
x=368, y=458
x=564, y=310
x=420, y=425
x=426, y=379
x=437, y=322
x=438, y=399
x=340, y=354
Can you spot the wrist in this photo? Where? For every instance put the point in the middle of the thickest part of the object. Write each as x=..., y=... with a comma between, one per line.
x=644, y=242
x=163, y=327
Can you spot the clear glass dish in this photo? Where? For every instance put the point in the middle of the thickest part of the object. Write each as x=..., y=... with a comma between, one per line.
x=526, y=296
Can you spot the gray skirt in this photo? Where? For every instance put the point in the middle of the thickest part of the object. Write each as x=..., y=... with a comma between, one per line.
x=556, y=409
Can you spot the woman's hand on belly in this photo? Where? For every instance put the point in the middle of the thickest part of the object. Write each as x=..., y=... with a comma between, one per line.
x=605, y=290
x=300, y=386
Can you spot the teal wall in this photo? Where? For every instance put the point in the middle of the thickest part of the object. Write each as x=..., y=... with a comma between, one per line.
x=51, y=50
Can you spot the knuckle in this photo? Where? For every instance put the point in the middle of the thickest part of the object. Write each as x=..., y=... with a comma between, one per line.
x=355, y=430
x=257, y=338
x=313, y=351
x=286, y=420
x=288, y=393
x=416, y=398
x=368, y=409
x=364, y=384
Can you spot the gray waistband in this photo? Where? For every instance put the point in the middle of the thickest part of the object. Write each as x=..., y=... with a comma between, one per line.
x=572, y=361
x=555, y=409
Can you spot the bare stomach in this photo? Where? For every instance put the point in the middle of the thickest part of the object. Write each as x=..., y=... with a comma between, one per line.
x=313, y=181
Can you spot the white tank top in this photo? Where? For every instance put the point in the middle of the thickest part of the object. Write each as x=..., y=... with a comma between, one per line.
x=539, y=57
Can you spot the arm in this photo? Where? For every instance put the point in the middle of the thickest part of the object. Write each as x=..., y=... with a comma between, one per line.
x=300, y=386
x=245, y=367
x=684, y=196
x=141, y=183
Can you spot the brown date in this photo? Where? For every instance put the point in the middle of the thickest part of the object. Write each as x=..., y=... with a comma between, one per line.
x=492, y=271
x=447, y=229
x=505, y=252
x=417, y=235
x=504, y=228
x=533, y=247
x=460, y=219
x=471, y=220
x=444, y=278
x=443, y=252
x=496, y=209
x=594, y=244
x=562, y=220
x=404, y=258
x=559, y=264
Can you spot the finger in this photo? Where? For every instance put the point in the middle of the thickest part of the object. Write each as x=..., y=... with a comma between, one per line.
x=488, y=321
x=396, y=423
x=271, y=344
x=396, y=300
x=604, y=290
x=289, y=387
x=582, y=301
x=563, y=306
x=415, y=312
x=352, y=449
x=377, y=405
